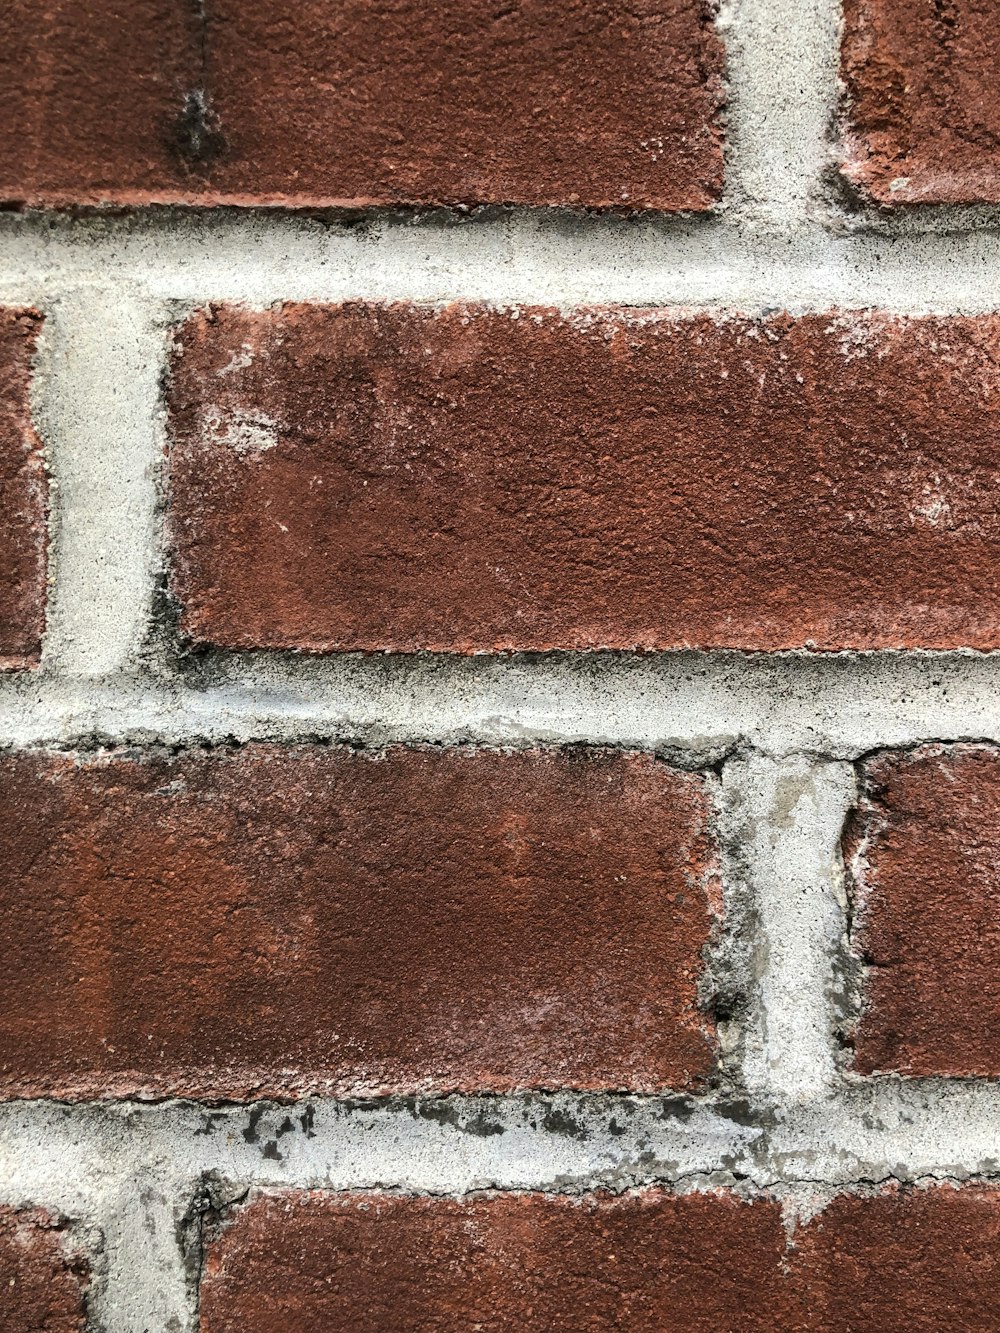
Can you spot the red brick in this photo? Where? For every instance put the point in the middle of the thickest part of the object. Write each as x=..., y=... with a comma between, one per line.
x=281, y=920
x=363, y=477
x=923, y=120
x=461, y=102
x=42, y=1279
x=23, y=498
x=529, y=1262
x=926, y=850
x=905, y=1261
x=898, y=1262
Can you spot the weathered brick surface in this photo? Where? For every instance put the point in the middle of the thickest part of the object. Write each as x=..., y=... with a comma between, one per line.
x=365, y=477
x=42, y=1278
x=530, y=1261
x=905, y=1261
x=249, y=101
x=897, y=1262
x=320, y=920
x=22, y=498
x=926, y=851
x=923, y=119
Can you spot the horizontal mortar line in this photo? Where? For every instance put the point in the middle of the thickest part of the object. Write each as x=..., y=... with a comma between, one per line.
x=511, y=260
x=704, y=705
x=562, y=1143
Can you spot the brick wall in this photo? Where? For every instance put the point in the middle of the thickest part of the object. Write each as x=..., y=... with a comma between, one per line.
x=499, y=614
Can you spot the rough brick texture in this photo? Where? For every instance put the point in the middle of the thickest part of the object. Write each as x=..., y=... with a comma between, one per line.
x=905, y=1261
x=357, y=103
x=925, y=847
x=42, y=1278
x=923, y=1260
x=530, y=1262
x=366, y=477
x=318, y=920
x=923, y=118
x=22, y=497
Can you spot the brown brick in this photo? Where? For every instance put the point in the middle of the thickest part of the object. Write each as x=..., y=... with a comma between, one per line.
x=301, y=920
x=531, y=1262
x=460, y=102
x=923, y=119
x=23, y=498
x=363, y=477
x=896, y=1262
x=42, y=1279
x=926, y=850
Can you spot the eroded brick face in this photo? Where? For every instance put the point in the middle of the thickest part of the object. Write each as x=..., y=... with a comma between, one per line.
x=922, y=119
x=365, y=477
x=299, y=920
x=580, y=102
x=22, y=498
x=919, y=1260
x=925, y=849
x=43, y=1279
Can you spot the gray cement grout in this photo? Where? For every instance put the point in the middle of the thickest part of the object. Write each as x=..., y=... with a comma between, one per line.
x=694, y=708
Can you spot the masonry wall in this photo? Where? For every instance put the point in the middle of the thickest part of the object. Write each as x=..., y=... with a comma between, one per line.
x=499, y=564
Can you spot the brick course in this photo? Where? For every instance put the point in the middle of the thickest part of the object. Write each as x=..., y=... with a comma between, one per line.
x=898, y=1261
x=287, y=920
x=23, y=497
x=579, y=102
x=526, y=1261
x=468, y=480
x=925, y=847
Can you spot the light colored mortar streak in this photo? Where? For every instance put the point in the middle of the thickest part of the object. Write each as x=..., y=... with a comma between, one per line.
x=562, y=1142
x=96, y=404
x=885, y=1128
x=782, y=58
x=146, y=1281
x=131, y=1172
x=781, y=831
x=64, y=1155
x=695, y=708
x=521, y=257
